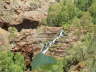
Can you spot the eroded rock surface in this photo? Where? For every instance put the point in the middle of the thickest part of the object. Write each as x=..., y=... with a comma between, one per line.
x=36, y=37
x=13, y=12
x=28, y=41
x=4, y=35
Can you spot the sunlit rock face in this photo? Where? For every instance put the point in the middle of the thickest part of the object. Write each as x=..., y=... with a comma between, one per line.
x=28, y=41
x=4, y=37
x=35, y=37
x=13, y=12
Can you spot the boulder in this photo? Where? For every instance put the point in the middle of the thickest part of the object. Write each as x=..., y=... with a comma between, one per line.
x=4, y=37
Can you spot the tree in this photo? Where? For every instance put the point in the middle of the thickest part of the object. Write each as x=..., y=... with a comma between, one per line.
x=11, y=63
x=92, y=10
x=86, y=19
x=53, y=13
x=83, y=4
x=62, y=13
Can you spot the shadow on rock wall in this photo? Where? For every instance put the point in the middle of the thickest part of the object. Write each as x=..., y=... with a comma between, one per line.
x=26, y=24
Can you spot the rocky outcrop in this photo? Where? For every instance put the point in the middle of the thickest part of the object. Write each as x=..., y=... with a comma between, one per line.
x=13, y=12
x=29, y=42
x=36, y=37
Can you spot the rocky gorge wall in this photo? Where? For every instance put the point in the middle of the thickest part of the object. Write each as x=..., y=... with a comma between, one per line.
x=15, y=12
x=25, y=16
x=34, y=38
x=29, y=42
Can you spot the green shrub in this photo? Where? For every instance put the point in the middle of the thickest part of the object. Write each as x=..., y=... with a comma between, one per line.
x=61, y=13
x=86, y=19
x=11, y=63
x=83, y=4
x=83, y=51
x=92, y=10
x=53, y=14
